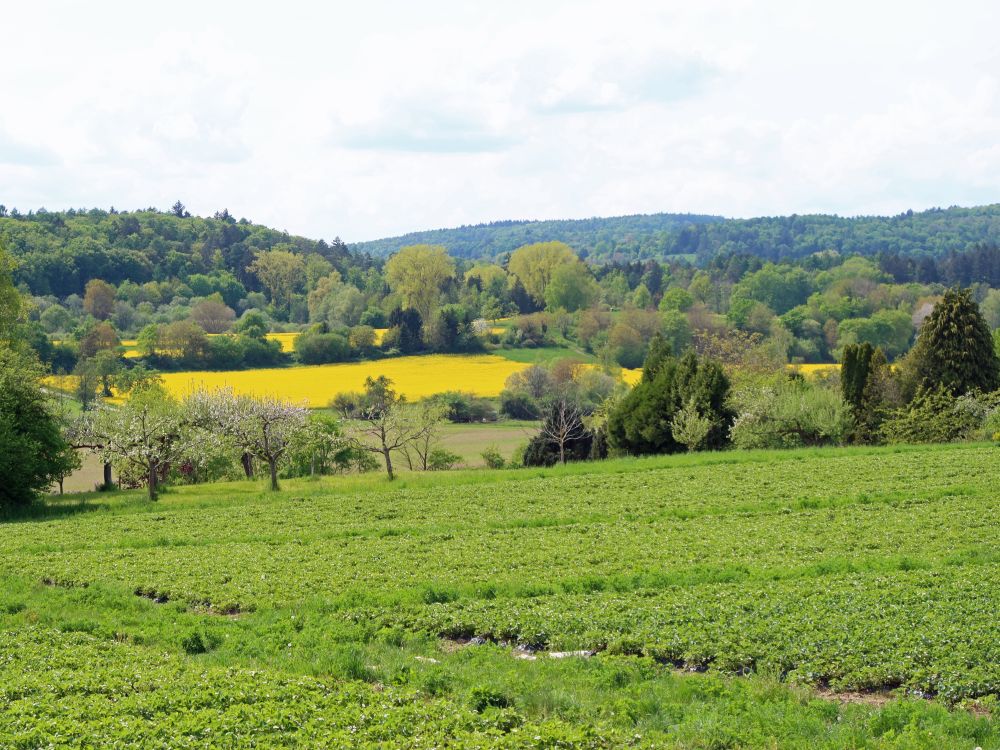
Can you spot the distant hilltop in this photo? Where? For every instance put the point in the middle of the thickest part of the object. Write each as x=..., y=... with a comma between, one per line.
x=934, y=232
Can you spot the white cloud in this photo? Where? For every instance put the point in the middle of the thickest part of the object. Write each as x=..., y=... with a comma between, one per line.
x=390, y=117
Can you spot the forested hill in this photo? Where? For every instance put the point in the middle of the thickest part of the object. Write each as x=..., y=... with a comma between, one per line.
x=639, y=235
x=58, y=252
x=935, y=232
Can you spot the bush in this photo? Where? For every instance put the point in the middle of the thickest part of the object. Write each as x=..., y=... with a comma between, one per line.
x=33, y=453
x=322, y=348
x=440, y=459
x=493, y=458
x=789, y=413
x=934, y=416
x=347, y=403
x=466, y=408
x=519, y=405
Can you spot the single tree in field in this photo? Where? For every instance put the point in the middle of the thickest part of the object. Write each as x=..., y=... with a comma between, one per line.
x=563, y=424
x=145, y=434
x=263, y=427
x=955, y=349
x=430, y=415
x=383, y=424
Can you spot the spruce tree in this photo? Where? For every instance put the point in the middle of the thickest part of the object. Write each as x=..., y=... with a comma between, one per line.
x=955, y=350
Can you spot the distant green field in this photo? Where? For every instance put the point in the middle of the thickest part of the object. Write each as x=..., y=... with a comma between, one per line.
x=544, y=354
x=828, y=598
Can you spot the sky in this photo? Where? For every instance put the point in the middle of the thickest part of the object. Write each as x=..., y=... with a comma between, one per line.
x=378, y=118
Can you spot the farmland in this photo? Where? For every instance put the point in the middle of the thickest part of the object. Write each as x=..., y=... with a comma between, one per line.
x=416, y=377
x=732, y=599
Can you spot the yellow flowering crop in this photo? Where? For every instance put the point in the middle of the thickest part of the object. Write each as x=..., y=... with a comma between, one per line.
x=416, y=377
x=815, y=370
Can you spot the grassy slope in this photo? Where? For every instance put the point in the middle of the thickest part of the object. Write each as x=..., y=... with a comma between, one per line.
x=863, y=569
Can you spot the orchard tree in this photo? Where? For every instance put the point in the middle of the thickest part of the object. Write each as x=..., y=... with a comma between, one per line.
x=144, y=435
x=955, y=349
x=261, y=427
x=563, y=424
x=385, y=424
x=417, y=273
x=428, y=414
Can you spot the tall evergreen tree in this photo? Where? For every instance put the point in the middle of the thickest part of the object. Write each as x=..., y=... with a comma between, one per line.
x=955, y=349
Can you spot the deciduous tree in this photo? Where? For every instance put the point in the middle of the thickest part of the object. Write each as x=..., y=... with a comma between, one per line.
x=417, y=274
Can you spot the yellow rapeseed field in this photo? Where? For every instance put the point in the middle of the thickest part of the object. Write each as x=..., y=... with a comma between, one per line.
x=415, y=377
x=287, y=340
x=814, y=370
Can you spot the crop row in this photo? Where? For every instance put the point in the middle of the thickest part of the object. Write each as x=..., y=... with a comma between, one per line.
x=932, y=632
x=70, y=690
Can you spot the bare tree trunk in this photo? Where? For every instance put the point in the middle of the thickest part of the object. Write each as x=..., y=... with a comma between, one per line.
x=108, y=484
x=562, y=452
x=388, y=463
x=273, y=466
x=247, y=461
x=152, y=481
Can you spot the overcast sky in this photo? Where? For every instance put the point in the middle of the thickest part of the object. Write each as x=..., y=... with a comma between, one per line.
x=373, y=118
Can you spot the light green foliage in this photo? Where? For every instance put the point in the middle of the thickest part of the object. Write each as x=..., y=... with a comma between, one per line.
x=417, y=273
x=535, y=264
x=11, y=304
x=889, y=330
x=787, y=413
x=933, y=416
x=641, y=298
x=282, y=272
x=571, y=288
x=676, y=298
x=690, y=427
x=779, y=287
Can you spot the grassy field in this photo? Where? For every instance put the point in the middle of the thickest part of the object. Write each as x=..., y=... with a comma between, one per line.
x=808, y=599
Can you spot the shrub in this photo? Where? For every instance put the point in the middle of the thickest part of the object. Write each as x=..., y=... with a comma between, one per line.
x=466, y=407
x=347, y=403
x=440, y=459
x=789, y=413
x=481, y=698
x=519, y=405
x=322, y=348
x=934, y=416
x=493, y=458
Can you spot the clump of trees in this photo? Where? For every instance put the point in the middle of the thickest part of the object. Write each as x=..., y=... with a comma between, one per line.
x=680, y=404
